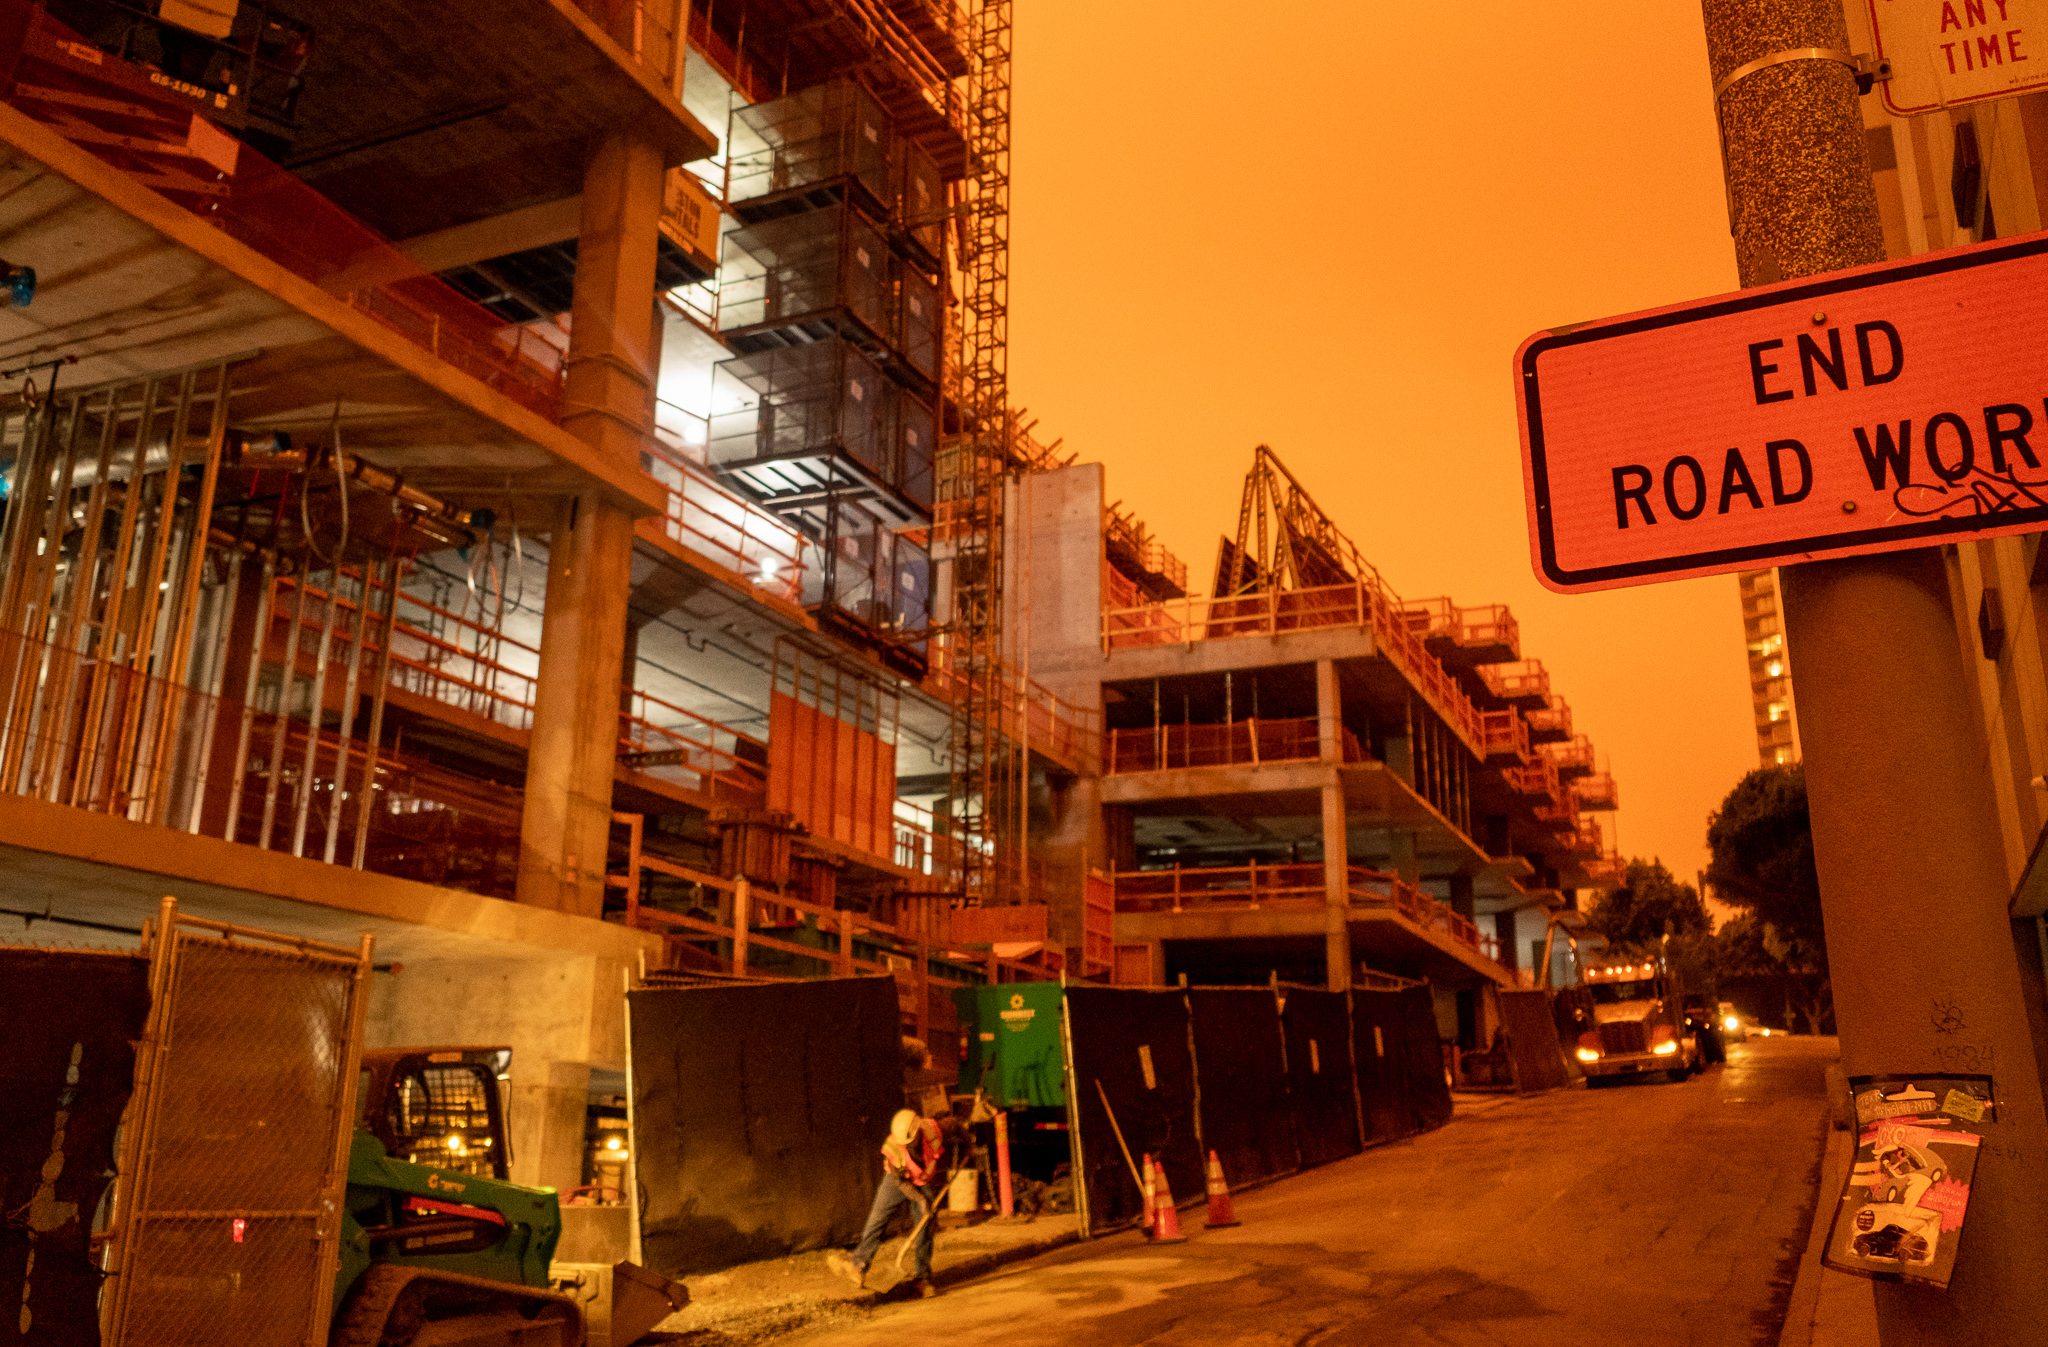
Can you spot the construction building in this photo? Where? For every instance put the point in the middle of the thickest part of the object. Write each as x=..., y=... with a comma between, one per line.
x=536, y=483
x=1304, y=777
x=520, y=481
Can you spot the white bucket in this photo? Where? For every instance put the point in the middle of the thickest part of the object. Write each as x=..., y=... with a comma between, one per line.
x=964, y=1192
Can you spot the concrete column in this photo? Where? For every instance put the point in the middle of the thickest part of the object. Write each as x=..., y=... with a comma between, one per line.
x=612, y=342
x=549, y=1108
x=1905, y=831
x=1902, y=809
x=565, y=826
x=1336, y=887
x=1461, y=896
x=1329, y=722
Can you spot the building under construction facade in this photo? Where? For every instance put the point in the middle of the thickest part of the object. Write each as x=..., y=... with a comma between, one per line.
x=522, y=481
x=1305, y=778
x=536, y=483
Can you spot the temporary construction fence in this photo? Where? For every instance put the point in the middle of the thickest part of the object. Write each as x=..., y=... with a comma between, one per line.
x=1273, y=1080
x=757, y=1109
x=756, y=1114
x=234, y=1155
x=70, y=1019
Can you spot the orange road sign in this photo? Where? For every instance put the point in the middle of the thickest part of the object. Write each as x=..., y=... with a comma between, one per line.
x=1863, y=411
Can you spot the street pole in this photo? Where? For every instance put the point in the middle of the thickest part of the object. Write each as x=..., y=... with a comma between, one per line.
x=1913, y=882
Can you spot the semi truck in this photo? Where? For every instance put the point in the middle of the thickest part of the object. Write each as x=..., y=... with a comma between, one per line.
x=1630, y=1018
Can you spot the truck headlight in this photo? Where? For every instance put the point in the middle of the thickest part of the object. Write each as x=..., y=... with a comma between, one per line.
x=1666, y=1048
x=1589, y=1054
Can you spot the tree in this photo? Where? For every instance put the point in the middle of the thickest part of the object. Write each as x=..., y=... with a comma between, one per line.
x=1650, y=905
x=1762, y=862
x=1762, y=849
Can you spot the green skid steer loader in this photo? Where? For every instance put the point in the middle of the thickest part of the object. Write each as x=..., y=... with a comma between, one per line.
x=438, y=1248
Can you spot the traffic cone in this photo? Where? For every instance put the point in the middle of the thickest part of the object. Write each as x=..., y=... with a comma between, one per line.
x=1221, y=1213
x=1165, y=1220
x=1146, y=1187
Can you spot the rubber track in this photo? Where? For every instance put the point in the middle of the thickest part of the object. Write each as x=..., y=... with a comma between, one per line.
x=363, y=1319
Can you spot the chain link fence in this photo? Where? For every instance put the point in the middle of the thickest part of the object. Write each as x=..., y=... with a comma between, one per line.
x=236, y=1157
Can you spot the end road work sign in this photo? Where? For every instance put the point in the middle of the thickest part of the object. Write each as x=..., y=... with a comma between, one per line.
x=1872, y=410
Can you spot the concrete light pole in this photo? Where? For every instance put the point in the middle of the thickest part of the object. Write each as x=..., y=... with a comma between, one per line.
x=1904, y=828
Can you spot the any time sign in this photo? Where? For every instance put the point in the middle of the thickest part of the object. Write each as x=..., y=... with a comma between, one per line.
x=1945, y=52
x=1863, y=411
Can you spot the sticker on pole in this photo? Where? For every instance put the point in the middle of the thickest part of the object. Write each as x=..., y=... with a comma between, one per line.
x=1945, y=52
x=1902, y=1208
x=1888, y=407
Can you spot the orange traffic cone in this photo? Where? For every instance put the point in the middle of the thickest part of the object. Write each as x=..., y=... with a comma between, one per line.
x=1165, y=1220
x=1146, y=1187
x=1221, y=1213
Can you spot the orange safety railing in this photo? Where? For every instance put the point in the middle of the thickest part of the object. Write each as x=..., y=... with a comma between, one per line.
x=436, y=653
x=113, y=111
x=1255, y=886
x=1483, y=625
x=1506, y=734
x=905, y=932
x=1555, y=719
x=1523, y=678
x=1247, y=742
x=1275, y=612
x=713, y=522
x=1574, y=757
x=457, y=660
x=1537, y=779
x=1421, y=909
x=1055, y=726
x=665, y=741
x=1597, y=792
x=1584, y=839
x=1608, y=871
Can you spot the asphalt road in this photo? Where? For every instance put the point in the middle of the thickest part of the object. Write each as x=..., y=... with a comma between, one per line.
x=1646, y=1213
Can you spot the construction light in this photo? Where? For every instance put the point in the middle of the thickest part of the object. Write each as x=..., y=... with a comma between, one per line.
x=1731, y=1024
x=17, y=285
x=613, y=1144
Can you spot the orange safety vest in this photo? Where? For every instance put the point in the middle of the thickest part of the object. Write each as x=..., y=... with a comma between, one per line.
x=897, y=1157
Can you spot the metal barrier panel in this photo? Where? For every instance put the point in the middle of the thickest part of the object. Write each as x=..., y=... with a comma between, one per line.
x=69, y=1019
x=1429, y=1092
x=1241, y=1065
x=1317, y=1026
x=238, y=1156
x=1378, y=1028
x=1132, y=1047
x=1532, y=1038
x=758, y=1116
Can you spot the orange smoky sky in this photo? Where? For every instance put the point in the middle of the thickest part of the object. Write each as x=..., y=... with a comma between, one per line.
x=1326, y=227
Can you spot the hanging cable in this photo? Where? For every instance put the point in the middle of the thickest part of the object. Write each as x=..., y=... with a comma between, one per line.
x=341, y=489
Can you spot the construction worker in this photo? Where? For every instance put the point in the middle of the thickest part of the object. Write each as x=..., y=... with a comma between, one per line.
x=911, y=1159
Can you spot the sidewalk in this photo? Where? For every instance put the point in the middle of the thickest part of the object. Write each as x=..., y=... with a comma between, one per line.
x=1830, y=1309
x=758, y=1301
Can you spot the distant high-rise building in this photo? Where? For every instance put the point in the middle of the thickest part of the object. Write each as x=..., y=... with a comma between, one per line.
x=1770, y=669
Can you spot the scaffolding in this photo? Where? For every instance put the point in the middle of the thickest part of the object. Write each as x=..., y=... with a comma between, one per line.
x=973, y=467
